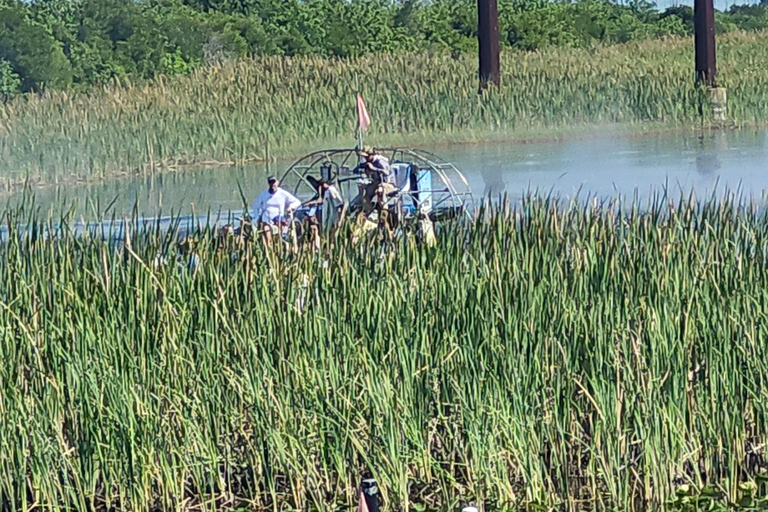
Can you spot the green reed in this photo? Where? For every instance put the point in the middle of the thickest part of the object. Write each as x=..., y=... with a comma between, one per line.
x=266, y=107
x=600, y=356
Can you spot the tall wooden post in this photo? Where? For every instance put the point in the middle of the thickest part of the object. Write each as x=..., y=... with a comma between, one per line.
x=704, y=29
x=488, y=39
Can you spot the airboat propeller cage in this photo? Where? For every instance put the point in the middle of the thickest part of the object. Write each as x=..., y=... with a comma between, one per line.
x=424, y=181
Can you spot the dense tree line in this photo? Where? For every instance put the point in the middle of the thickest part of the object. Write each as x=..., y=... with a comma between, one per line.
x=76, y=43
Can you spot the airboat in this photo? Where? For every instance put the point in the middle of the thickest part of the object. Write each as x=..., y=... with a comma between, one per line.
x=425, y=183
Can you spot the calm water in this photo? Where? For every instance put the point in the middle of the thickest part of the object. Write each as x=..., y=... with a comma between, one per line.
x=602, y=167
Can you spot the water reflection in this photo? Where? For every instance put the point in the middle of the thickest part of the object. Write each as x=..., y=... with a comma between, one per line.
x=708, y=157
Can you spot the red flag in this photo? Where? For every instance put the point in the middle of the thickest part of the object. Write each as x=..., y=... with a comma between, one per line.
x=363, y=121
x=362, y=506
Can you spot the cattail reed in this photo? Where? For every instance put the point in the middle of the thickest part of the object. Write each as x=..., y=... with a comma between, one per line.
x=547, y=353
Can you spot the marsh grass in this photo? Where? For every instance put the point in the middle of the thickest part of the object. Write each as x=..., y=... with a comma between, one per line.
x=596, y=356
x=263, y=108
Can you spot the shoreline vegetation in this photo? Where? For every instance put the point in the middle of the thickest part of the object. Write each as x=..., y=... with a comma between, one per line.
x=607, y=355
x=264, y=108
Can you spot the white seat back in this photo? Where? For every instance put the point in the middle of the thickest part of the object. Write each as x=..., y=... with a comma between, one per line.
x=402, y=172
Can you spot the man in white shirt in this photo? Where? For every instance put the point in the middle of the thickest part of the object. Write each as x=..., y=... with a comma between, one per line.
x=271, y=207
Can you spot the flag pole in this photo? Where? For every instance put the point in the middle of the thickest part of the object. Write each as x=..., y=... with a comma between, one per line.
x=357, y=114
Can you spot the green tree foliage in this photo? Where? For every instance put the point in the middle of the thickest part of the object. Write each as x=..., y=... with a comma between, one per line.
x=59, y=43
x=584, y=24
x=32, y=51
x=9, y=81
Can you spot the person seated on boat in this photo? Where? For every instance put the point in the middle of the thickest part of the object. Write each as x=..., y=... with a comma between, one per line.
x=377, y=168
x=245, y=230
x=329, y=197
x=362, y=228
x=225, y=234
x=272, y=208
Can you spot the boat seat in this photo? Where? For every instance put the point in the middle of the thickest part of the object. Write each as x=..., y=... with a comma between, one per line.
x=402, y=172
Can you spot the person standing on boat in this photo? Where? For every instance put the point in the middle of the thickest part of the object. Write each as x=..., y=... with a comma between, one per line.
x=382, y=184
x=271, y=208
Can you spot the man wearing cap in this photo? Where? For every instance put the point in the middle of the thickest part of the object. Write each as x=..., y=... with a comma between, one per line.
x=377, y=168
x=271, y=207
